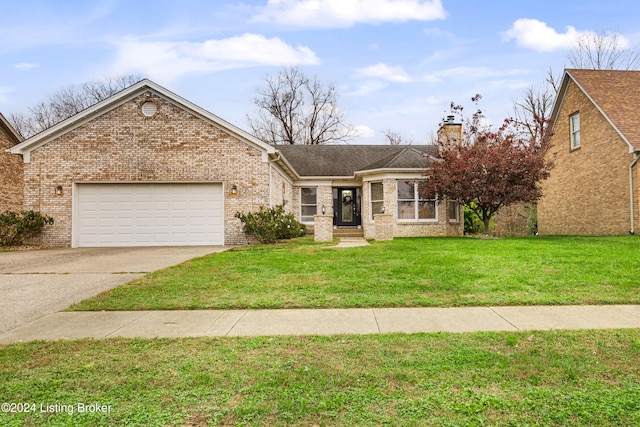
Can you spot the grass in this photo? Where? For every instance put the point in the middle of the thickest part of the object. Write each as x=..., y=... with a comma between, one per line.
x=400, y=273
x=562, y=378
x=577, y=378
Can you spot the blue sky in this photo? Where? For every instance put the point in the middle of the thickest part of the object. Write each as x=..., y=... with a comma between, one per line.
x=397, y=64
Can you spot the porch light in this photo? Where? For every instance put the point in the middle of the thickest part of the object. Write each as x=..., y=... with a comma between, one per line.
x=382, y=209
x=58, y=190
x=234, y=190
x=323, y=210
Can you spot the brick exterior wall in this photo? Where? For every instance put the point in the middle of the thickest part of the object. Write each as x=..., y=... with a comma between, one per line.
x=11, y=175
x=514, y=220
x=324, y=196
x=587, y=192
x=441, y=227
x=323, y=228
x=172, y=146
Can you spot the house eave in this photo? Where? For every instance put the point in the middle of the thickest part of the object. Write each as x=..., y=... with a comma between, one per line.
x=13, y=134
x=326, y=177
x=390, y=170
x=120, y=98
x=284, y=164
x=560, y=100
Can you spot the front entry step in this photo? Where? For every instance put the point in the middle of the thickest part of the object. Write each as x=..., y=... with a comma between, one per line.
x=348, y=232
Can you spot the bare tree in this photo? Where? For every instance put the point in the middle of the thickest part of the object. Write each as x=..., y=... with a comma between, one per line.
x=294, y=109
x=533, y=111
x=67, y=102
x=603, y=51
x=395, y=138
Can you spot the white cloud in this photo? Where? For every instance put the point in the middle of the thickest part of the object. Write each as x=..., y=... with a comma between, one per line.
x=4, y=94
x=384, y=72
x=166, y=61
x=346, y=13
x=469, y=74
x=367, y=87
x=429, y=100
x=25, y=65
x=537, y=35
x=364, y=131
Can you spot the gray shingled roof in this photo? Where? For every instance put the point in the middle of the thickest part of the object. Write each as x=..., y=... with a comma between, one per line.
x=345, y=160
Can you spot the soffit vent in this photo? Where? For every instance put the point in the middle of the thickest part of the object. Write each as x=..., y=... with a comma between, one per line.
x=149, y=109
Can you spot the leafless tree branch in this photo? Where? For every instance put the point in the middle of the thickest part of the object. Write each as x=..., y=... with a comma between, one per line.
x=67, y=102
x=294, y=109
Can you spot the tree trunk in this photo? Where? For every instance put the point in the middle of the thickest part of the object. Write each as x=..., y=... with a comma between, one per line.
x=486, y=219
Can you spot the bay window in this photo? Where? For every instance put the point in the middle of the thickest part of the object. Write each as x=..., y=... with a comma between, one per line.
x=415, y=203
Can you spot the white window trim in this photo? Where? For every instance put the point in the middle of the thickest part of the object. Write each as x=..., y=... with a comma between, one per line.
x=575, y=132
x=416, y=200
x=457, y=219
x=306, y=205
x=371, y=201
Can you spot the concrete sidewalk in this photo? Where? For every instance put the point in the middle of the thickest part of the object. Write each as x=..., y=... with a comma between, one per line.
x=151, y=324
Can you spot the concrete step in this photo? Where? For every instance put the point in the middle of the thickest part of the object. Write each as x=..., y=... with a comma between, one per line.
x=348, y=232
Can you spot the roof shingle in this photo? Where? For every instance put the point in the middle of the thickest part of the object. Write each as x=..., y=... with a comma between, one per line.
x=617, y=94
x=346, y=160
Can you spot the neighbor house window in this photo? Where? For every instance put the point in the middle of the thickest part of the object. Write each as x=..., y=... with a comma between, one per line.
x=453, y=211
x=415, y=203
x=377, y=198
x=574, y=125
x=309, y=204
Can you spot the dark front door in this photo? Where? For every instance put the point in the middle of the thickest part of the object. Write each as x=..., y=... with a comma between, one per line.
x=347, y=207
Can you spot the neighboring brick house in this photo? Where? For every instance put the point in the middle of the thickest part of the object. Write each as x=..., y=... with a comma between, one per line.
x=146, y=167
x=11, y=174
x=593, y=187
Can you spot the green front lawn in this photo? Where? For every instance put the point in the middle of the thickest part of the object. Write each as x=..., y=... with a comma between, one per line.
x=577, y=378
x=400, y=273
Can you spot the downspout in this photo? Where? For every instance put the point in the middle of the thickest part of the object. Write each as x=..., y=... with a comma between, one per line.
x=636, y=157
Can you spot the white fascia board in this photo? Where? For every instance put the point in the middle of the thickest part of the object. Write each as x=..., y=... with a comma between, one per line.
x=328, y=178
x=281, y=162
x=38, y=140
x=122, y=97
x=624, y=138
x=392, y=171
x=313, y=182
x=557, y=103
x=212, y=118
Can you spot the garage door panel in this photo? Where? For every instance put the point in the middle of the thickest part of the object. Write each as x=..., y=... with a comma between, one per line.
x=150, y=214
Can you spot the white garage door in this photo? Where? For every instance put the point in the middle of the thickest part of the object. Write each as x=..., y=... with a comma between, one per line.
x=185, y=214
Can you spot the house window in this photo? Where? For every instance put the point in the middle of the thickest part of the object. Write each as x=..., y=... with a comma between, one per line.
x=415, y=203
x=574, y=125
x=309, y=204
x=453, y=211
x=377, y=198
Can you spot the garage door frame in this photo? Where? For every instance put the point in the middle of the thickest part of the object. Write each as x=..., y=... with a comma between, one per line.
x=75, y=201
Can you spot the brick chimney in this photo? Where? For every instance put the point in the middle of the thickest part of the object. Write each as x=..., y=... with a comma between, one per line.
x=450, y=133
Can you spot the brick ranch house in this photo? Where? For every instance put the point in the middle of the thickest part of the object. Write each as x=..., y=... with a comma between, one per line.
x=593, y=187
x=146, y=167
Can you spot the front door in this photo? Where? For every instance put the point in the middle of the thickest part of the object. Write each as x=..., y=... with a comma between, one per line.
x=347, y=207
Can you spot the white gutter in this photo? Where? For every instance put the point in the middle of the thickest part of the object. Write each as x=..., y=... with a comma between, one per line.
x=631, y=203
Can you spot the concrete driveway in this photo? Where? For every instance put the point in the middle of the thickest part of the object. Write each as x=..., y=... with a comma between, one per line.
x=37, y=283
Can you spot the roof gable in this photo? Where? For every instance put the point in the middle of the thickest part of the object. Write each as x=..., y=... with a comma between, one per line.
x=347, y=160
x=14, y=136
x=409, y=157
x=615, y=93
x=122, y=97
